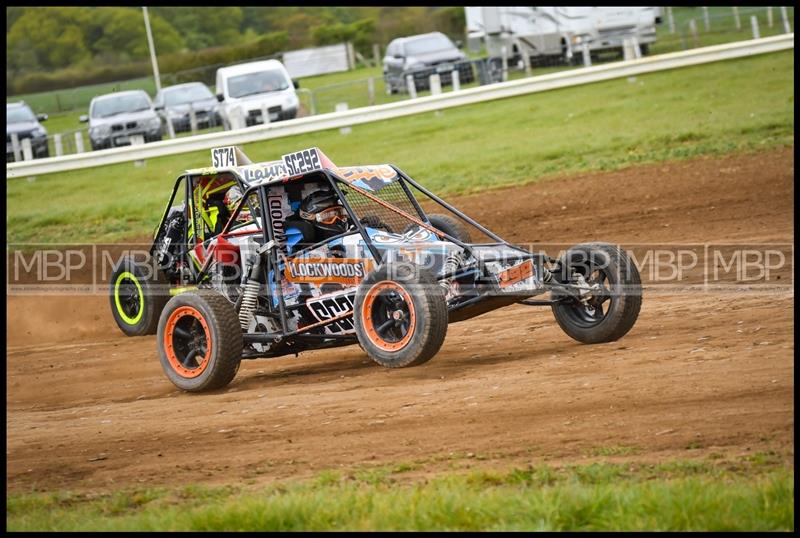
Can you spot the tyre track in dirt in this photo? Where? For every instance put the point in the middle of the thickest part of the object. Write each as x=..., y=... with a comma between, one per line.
x=700, y=373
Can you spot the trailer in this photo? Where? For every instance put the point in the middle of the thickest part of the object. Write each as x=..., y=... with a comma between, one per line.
x=548, y=34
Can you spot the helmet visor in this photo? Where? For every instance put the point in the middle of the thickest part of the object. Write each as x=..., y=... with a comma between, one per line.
x=331, y=215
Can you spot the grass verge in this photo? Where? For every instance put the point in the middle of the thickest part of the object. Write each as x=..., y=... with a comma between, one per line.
x=678, y=495
x=737, y=105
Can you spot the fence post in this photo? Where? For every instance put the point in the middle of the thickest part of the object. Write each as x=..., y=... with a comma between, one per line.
x=455, y=77
x=769, y=17
x=504, y=53
x=264, y=114
x=170, y=128
x=629, y=53
x=587, y=56
x=192, y=119
x=351, y=55
x=27, y=149
x=736, y=18
x=138, y=140
x=526, y=60
x=706, y=20
x=79, y=142
x=412, y=88
x=238, y=116
x=637, y=50
x=693, y=31
x=435, y=83
x=671, y=20
x=371, y=90
x=16, y=147
x=376, y=54
x=341, y=107
x=786, y=27
x=58, y=145
x=754, y=24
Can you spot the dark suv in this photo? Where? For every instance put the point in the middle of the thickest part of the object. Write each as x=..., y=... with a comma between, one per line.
x=21, y=120
x=173, y=104
x=115, y=117
x=421, y=56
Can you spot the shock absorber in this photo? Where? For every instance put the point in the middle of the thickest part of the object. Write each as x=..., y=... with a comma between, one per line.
x=249, y=299
x=547, y=276
x=249, y=302
x=452, y=262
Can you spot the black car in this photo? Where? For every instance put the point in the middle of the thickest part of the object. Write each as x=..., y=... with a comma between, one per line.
x=21, y=120
x=421, y=56
x=173, y=103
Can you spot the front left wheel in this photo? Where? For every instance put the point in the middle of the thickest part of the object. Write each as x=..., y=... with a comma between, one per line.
x=612, y=306
x=199, y=341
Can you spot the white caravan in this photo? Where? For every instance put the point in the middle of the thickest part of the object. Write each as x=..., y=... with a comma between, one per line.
x=542, y=32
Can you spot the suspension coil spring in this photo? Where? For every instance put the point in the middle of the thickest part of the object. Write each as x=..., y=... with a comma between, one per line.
x=249, y=302
x=452, y=262
x=547, y=276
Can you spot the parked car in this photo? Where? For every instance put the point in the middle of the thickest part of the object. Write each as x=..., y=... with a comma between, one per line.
x=244, y=90
x=113, y=118
x=421, y=56
x=173, y=103
x=21, y=120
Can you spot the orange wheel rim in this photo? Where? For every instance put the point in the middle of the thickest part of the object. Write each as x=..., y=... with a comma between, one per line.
x=388, y=316
x=187, y=341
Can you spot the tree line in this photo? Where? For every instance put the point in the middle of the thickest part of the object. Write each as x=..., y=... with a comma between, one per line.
x=47, y=39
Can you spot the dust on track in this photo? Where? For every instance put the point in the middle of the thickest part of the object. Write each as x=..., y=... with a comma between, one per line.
x=699, y=374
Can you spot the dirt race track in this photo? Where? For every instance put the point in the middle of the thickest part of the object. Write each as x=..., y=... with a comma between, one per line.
x=699, y=374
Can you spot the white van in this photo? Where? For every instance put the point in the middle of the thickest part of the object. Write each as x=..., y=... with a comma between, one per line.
x=246, y=90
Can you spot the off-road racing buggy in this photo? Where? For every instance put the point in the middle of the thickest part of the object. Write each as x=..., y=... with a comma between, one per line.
x=273, y=258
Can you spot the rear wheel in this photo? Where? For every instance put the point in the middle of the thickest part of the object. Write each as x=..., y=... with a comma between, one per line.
x=612, y=309
x=400, y=315
x=137, y=293
x=199, y=341
x=450, y=226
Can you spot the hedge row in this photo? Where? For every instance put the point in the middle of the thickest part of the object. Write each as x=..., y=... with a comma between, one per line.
x=204, y=62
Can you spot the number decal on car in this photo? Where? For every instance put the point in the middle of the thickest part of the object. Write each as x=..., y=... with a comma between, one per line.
x=330, y=306
x=302, y=162
x=223, y=157
x=515, y=274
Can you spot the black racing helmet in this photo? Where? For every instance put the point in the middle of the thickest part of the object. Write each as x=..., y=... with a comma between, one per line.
x=323, y=210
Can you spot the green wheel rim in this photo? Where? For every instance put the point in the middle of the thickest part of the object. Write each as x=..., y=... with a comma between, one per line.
x=121, y=311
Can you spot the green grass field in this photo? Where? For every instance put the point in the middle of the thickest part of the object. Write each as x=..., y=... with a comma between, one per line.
x=736, y=105
x=755, y=493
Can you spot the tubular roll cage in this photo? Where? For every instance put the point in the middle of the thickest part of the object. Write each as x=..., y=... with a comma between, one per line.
x=333, y=179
